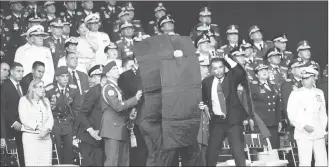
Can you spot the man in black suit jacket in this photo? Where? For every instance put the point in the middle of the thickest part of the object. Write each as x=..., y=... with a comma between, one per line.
x=130, y=83
x=38, y=69
x=11, y=92
x=90, y=119
x=227, y=112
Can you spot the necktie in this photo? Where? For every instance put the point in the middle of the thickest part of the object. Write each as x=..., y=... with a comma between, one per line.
x=221, y=97
x=19, y=90
x=58, y=40
x=75, y=81
x=62, y=92
x=261, y=46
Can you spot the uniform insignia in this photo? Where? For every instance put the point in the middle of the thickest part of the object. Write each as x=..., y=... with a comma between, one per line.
x=318, y=98
x=313, y=62
x=118, y=41
x=299, y=59
x=102, y=8
x=287, y=62
x=224, y=46
x=254, y=82
x=79, y=13
x=151, y=22
x=250, y=77
x=86, y=91
x=216, y=34
x=284, y=68
x=249, y=68
x=110, y=93
x=49, y=87
x=213, y=24
x=272, y=82
x=8, y=17
x=288, y=80
x=240, y=87
x=262, y=91
x=73, y=86
x=62, y=13
x=67, y=94
x=288, y=52
x=57, y=95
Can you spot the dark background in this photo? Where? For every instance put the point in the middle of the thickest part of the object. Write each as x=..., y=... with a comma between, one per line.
x=299, y=20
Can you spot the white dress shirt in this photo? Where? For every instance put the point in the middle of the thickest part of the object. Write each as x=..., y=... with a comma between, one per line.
x=214, y=97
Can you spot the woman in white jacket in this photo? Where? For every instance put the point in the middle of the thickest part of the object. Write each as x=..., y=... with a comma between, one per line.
x=307, y=112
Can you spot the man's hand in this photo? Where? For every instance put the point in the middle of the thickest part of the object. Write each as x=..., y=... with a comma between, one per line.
x=94, y=133
x=3, y=143
x=308, y=128
x=178, y=53
x=279, y=127
x=202, y=106
x=139, y=95
x=17, y=126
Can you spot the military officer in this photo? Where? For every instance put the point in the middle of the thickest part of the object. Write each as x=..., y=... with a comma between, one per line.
x=88, y=8
x=251, y=61
x=232, y=33
x=4, y=42
x=126, y=42
x=70, y=16
x=33, y=19
x=63, y=100
x=202, y=43
x=260, y=46
x=215, y=52
x=122, y=17
x=33, y=8
x=152, y=27
x=50, y=13
x=15, y=22
x=267, y=104
x=66, y=29
x=131, y=10
x=112, y=54
x=113, y=127
x=56, y=41
x=109, y=14
x=205, y=17
x=304, y=52
x=280, y=42
x=277, y=73
x=166, y=25
x=90, y=115
x=139, y=36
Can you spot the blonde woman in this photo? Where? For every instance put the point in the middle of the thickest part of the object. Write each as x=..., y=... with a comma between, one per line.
x=37, y=122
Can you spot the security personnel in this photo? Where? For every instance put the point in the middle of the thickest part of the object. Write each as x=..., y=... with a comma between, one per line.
x=251, y=61
x=126, y=42
x=267, y=103
x=64, y=104
x=304, y=52
x=152, y=27
x=232, y=33
x=205, y=17
x=260, y=46
x=92, y=147
x=130, y=8
x=56, y=41
x=166, y=25
x=70, y=16
x=32, y=8
x=15, y=22
x=292, y=83
x=88, y=8
x=33, y=19
x=307, y=112
x=280, y=42
x=123, y=16
x=202, y=43
x=277, y=73
x=112, y=54
x=50, y=14
x=139, y=36
x=113, y=127
x=109, y=14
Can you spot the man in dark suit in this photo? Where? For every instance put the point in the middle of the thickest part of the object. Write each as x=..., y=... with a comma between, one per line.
x=11, y=92
x=219, y=93
x=38, y=69
x=90, y=119
x=130, y=83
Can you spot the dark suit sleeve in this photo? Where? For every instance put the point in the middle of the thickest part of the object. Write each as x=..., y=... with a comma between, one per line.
x=123, y=84
x=88, y=104
x=10, y=116
x=238, y=74
x=3, y=125
x=285, y=93
x=205, y=93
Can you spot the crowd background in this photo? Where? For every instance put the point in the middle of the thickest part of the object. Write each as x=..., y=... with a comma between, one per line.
x=298, y=19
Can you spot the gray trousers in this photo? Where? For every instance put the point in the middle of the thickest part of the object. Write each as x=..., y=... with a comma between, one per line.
x=117, y=152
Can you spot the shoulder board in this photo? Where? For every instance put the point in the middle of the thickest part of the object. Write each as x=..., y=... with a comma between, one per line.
x=62, y=13
x=49, y=87
x=254, y=82
x=8, y=17
x=288, y=52
x=102, y=8
x=73, y=86
x=213, y=24
x=284, y=68
x=151, y=22
x=79, y=13
x=222, y=47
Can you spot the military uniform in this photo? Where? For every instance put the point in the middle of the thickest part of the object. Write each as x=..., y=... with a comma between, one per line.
x=108, y=17
x=267, y=105
x=260, y=52
x=152, y=28
x=4, y=43
x=277, y=75
x=56, y=47
x=71, y=17
x=286, y=58
x=250, y=67
x=63, y=114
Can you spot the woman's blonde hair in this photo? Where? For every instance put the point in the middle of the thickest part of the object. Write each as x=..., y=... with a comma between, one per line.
x=30, y=94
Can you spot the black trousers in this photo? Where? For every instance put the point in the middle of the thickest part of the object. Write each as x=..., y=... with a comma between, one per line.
x=275, y=137
x=20, y=150
x=65, y=153
x=92, y=155
x=218, y=133
x=138, y=154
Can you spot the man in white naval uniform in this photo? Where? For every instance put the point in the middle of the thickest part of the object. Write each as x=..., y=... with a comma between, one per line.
x=307, y=112
x=37, y=52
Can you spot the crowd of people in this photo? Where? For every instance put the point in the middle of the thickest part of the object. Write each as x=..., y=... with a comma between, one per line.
x=87, y=76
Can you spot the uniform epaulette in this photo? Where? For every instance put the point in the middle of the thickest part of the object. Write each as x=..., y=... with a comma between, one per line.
x=223, y=47
x=254, y=82
x=8, y=17
x=79, y=13
x=62, y=13
x=49, y=87
x=288, y=52
x=73, y=86
x=151, y=22
x=213, y=24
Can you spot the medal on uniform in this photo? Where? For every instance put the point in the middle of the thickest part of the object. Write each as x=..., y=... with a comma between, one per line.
x=262, y=91
x=57, y=95
x=318, y=98
x=16, y=26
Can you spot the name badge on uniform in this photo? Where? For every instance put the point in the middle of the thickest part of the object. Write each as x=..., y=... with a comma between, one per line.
x=318, y=98
x=262, y=91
